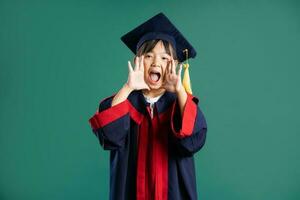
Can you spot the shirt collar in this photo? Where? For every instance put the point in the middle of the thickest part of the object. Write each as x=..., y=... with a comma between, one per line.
x=138, y=100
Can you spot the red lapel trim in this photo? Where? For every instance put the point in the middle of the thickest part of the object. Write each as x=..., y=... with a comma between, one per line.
x=152, y=162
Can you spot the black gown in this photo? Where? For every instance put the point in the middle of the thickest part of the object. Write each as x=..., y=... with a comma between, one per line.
x=151, y=157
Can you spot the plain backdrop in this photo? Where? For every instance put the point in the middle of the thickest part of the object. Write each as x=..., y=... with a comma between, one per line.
x=58, y=59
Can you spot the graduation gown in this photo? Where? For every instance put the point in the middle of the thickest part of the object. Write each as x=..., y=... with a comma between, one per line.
x=151, y=158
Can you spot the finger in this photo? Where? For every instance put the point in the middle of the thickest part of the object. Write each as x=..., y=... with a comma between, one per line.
x=166, y=69
x=136, y=62
x=142, y=63
x=173, y=67
x=179, y=71
x=129, y=66
x=169, y=67
x=165, y=74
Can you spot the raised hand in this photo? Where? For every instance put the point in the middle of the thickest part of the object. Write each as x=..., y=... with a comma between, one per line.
x=172, y=80
x=136, y=79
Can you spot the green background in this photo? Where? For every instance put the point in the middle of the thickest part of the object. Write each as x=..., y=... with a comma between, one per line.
x=60, y=58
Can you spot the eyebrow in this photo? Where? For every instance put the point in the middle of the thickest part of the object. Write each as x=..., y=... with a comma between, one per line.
x=165, y=53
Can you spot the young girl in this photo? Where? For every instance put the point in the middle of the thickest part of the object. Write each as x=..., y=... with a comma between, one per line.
x=152, y=126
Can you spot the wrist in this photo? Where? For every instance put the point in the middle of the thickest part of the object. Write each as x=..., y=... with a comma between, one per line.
x=127, y=88
x=180, y=90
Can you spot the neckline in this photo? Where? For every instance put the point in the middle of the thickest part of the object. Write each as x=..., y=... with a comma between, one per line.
x=153, y=99
x=139, y=102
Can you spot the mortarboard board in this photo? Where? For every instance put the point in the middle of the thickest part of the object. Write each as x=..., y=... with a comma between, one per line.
x=160, y=27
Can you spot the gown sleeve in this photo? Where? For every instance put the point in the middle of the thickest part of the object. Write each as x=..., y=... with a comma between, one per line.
x=189, y=131
x=111, y=124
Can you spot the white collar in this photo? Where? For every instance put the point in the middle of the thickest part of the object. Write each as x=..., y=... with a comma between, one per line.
x=153, y=99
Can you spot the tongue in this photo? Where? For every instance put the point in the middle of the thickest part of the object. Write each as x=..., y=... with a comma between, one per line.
x=154, y=77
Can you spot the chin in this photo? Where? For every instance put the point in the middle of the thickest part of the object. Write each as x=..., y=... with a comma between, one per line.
x=155, y=87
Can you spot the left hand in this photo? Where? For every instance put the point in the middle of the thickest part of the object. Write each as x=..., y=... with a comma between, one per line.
x=172, y=80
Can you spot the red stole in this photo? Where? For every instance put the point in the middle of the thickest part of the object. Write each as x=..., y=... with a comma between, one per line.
x=152, y=162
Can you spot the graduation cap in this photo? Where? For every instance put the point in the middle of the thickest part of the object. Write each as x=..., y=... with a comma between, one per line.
x=160, y=27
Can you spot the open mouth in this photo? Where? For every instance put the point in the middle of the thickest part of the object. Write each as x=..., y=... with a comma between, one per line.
x=154, y=76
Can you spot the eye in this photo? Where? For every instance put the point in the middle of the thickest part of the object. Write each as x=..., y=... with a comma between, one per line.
x=165, y=58
x=148, y=56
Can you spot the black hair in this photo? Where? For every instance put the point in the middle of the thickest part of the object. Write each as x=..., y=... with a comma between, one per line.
x=149, y=45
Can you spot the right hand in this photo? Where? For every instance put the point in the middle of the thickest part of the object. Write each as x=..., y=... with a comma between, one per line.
x=136, y=79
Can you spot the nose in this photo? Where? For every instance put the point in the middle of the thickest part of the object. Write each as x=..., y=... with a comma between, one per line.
x=155, y=62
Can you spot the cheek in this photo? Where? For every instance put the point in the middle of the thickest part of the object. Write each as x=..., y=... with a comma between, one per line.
x=164, y=68
x=145, y=71
x=146, y=66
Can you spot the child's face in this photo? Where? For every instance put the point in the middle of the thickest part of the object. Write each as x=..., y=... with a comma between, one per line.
x=155, y=64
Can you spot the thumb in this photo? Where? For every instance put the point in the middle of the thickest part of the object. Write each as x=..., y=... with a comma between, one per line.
x=147, y=87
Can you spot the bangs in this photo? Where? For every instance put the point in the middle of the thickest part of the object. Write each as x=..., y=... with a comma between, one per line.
x=149, y=45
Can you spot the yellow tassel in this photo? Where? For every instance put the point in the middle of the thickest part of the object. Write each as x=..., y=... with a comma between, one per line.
x=186, y=81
